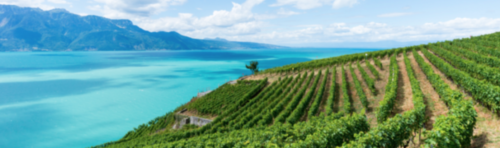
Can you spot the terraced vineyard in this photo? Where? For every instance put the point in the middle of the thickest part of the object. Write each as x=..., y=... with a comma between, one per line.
x=444, y=94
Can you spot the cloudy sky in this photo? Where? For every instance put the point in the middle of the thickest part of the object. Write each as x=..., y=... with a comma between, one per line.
x=299, y=23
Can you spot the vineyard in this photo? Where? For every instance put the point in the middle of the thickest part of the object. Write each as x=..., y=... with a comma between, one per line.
x=444, y=94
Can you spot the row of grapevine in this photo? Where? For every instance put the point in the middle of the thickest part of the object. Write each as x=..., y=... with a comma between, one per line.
x=217, y=99
x=481, y=90
x=226, y=116
x=266, y=105
x=394, y=131
x=234, y=111
x=478, y=70
x=264, y=93
x=387, y=104
x=331, y=94
x=243, y=118
x=369, y=81
x=319, y=96
x=417, y=95
x=322, y=63
x=318, y=132
x=293, y=103
x=276, y=110
x=205, y=129
x=484, y=47
x=304, y=102
x=479, y=58
x=345, y=93
x=455, y=129
x=249, y=112
x=378, y=63
x=372, y=69
x=154, y=125
x=359, y=88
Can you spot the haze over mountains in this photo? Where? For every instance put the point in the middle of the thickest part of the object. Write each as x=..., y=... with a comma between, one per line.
x=32, y=29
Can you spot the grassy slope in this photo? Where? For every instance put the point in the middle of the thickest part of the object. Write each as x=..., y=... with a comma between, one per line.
x=486, y=133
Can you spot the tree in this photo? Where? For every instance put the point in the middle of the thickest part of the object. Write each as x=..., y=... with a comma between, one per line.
x=253, y=66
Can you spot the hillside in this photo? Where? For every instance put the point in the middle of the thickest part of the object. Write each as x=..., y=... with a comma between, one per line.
x=32, y=29
x=443, y=94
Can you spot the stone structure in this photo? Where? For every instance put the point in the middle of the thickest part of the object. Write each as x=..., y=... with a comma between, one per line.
x=182, y=120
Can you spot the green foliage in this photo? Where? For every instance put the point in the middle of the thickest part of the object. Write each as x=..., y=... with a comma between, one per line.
x=386, y=105
x=274, y=112
x=318, y=132
x=479, y=58
x=345, y=93
x=480, y=45
x=257, y=114
x=456, y=129
x=293, y=103
x=253, y=66
x=319, y=96
x=304, y=102
x=232, y=112
x=359, y=88
x=417, y=95
x=255, y=105
x=331, y=94
x=369, y=81
x=151, y=127
x=479, y=71
x=321, y=63
x=372, y=69
x=217, y=101
x=394, y=131
x=481, y=90
x=378, y=63
x=255, y=118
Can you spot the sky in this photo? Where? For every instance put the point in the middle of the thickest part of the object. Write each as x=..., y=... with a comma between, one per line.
x=299, y=23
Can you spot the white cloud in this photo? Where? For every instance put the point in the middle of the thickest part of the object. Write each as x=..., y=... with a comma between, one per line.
x=344, y=3
x=58, y=1
x=42, y=4
x=282, y=11
x=302, y=4
x=239, y=21
x=126, y=9
x=309, y=4
x=374, y=32
x=397, y=14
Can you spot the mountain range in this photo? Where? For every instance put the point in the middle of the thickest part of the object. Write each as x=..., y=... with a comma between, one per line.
x=33, y=29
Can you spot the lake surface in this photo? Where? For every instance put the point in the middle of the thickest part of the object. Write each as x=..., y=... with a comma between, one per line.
x=81, y=99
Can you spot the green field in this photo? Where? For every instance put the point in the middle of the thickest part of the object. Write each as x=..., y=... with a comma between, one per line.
x=444, y=94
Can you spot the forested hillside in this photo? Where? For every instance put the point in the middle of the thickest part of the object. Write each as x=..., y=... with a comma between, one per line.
x=444, y=94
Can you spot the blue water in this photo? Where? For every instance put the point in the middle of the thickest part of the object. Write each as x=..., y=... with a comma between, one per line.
x=81, y=99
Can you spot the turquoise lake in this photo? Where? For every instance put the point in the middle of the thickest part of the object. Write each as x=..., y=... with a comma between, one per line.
x=82, y=99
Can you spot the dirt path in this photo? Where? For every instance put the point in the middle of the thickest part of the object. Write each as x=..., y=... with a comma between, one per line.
x=380, y=87
x=326, y=93
x=368, y=71
x=384, y=78
x=373, y=103
x=313, y=97
x=362, y=81
x=338, y=106
x=404, y=95
x=356, y=103
x=437, y=71
x=297, y=84
x=435, y=107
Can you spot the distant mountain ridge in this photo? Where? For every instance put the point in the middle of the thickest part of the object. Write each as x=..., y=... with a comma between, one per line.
x=32, y=29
